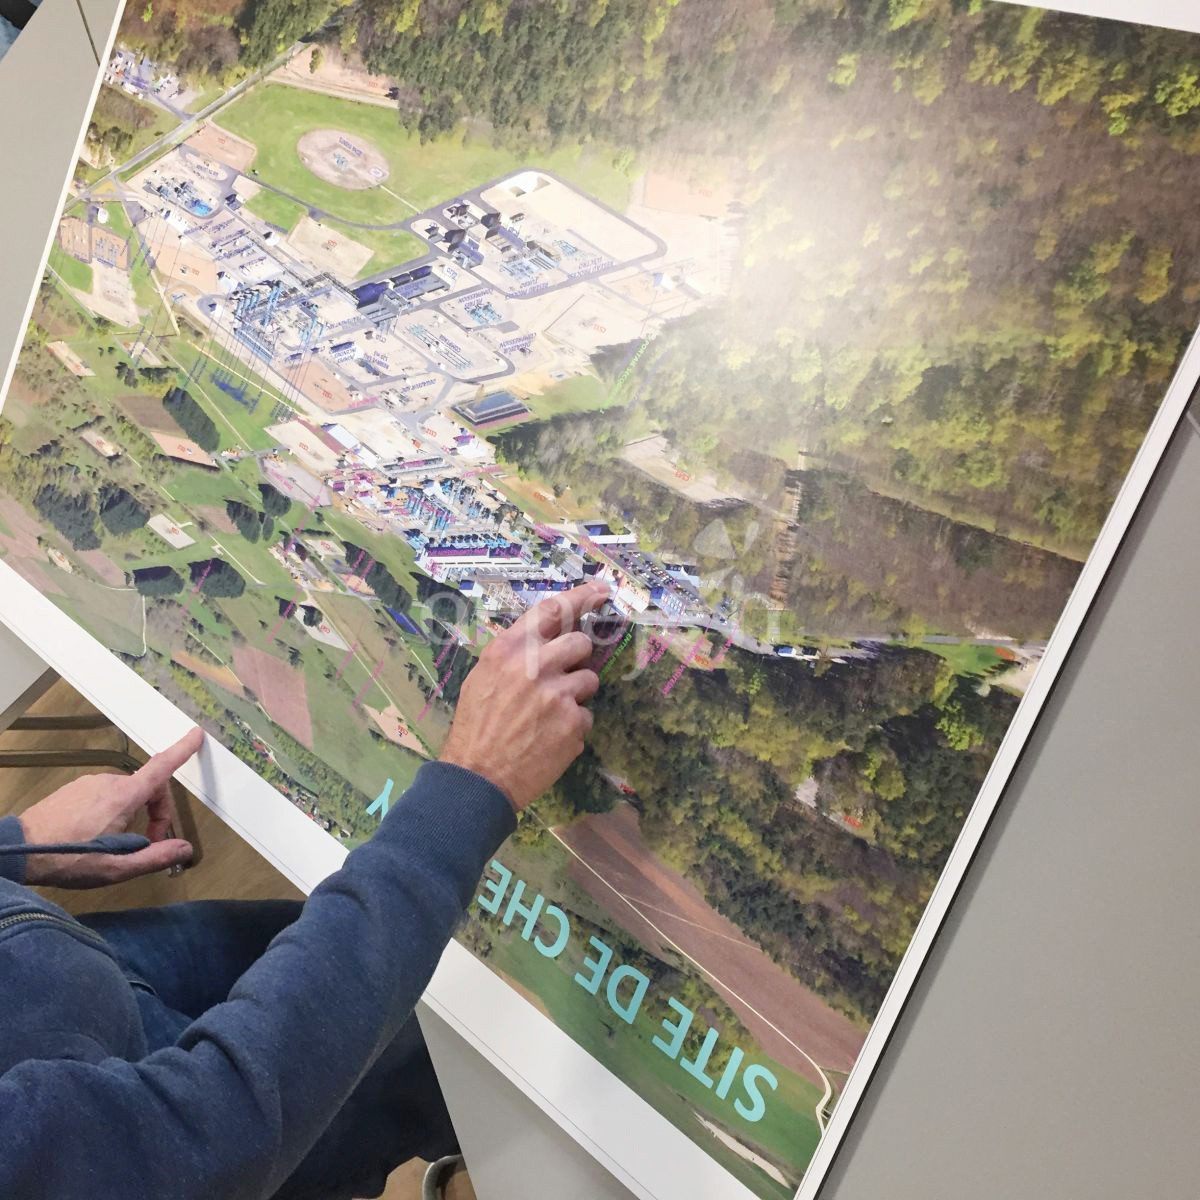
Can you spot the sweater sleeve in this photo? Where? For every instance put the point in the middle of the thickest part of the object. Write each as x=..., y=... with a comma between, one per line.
x=12, y=866
x=234, y=1106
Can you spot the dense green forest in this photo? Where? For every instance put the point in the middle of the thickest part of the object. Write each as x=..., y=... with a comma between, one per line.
x=898, y=748
x=192, y=419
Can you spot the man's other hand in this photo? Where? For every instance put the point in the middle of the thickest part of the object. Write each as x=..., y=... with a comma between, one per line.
x=100, y=804
x=521, y=718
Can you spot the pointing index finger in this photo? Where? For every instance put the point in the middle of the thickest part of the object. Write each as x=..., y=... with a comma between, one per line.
x=151, y=778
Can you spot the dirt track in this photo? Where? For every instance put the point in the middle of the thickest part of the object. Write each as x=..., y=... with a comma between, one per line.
x=757, y=989
x=343, y=159
x=214, y=142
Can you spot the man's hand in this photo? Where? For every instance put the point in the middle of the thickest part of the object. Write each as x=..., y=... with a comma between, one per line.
x=99, y=804
x=520, y=720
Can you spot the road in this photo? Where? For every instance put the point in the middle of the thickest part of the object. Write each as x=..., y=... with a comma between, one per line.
x=867, y=644
x=180, y=131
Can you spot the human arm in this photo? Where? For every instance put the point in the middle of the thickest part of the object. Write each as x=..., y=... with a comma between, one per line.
x=230, y=1110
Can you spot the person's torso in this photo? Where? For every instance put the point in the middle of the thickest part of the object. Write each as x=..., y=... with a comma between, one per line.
x=62, y=992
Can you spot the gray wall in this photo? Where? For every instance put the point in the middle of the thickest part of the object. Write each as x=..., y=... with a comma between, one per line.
x=45, y=83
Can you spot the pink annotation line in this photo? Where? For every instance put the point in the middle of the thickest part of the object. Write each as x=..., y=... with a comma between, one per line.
x=203, y=576
x=346, y=661
x=362, y=691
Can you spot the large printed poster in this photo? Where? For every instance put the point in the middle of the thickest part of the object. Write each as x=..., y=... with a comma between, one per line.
x=825, y=330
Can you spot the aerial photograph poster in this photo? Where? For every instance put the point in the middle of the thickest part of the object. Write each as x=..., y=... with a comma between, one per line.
x=825, y=331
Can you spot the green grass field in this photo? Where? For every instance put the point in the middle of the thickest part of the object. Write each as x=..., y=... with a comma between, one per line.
x=118, y=222
x=278, y=210
x=392, y=246
x=274, y=117
x=70, y=270
x=966, y=660
x=218, y=356
x=580, y=393
x=788, y=1132
x=340, y=730
x=205, y=97
x=114, y=617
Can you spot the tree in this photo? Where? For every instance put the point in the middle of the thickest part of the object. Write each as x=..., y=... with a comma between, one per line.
x=378, y=578
x=249, y=521
x=157, y=581
x=71, y=514
x=215, y=577
x=276, y=24
x=1156, y=275
x=274, y=502
x=120, y=512
x=192, y=419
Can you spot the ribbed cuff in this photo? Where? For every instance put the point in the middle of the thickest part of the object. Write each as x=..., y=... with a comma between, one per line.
x=12, y=866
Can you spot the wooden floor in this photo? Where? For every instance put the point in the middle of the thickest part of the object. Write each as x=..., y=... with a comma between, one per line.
x=228, y=867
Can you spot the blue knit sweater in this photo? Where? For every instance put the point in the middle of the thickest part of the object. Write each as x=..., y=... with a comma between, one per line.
x=231, y=1109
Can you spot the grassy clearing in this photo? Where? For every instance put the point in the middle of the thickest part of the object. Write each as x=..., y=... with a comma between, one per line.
x=70, y=270
x=788, y=1131
x=118, y=222
x=217, y=356
x=967, y=659
x=628, y=1052
x=340, y=731
x=581, y=393
x=392, y=246
x=274, y=117
x=355, y=621
x=276, y=209
x=205, y=97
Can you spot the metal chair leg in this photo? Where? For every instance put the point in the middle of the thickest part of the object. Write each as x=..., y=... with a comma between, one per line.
x=85, y=721
x=119, y=759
